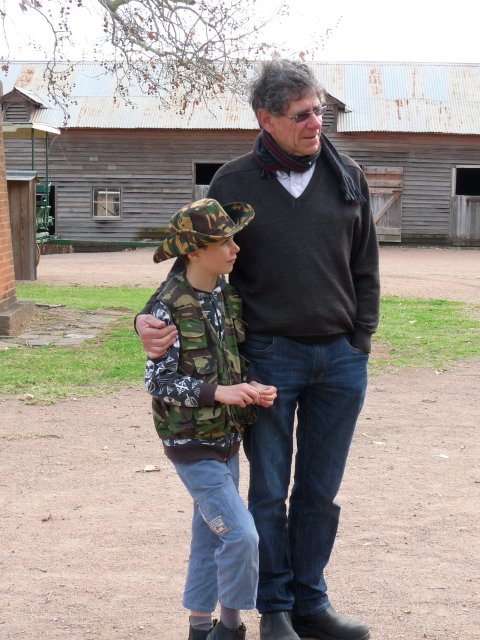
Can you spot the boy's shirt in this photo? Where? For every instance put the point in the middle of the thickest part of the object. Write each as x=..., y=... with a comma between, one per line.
x=164, y=381
x=162, y=378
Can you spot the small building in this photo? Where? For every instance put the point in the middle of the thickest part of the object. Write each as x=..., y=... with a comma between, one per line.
x=120, y=168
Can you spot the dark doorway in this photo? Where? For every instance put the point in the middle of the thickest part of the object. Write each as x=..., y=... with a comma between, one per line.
x=468, y=182
x=204, y=172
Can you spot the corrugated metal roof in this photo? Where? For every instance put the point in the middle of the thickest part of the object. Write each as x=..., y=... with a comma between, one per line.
x=379, y=96
x=21, y=176
x=94, y=105
x=405, y=97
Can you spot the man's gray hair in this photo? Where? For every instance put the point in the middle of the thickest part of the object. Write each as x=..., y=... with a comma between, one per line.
x=279, y=82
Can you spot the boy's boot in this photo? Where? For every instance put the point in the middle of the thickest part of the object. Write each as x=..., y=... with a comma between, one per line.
x=220, y=632
x=197, y=634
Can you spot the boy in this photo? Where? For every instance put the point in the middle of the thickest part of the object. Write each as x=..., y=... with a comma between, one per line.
x=200, y=407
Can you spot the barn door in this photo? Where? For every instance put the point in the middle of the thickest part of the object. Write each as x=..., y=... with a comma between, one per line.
x=465, y=220
x=386, y=185
x=200, y=191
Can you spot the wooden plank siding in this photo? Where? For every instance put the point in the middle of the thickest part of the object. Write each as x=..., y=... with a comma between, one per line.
x=153, y=169
x=465, y=220
x=428, y=162
x=155, y=172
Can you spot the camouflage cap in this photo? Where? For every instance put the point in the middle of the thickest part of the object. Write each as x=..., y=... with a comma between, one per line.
x=200, y=223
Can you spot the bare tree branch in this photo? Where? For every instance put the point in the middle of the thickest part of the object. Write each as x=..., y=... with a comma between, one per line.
x=183, y=51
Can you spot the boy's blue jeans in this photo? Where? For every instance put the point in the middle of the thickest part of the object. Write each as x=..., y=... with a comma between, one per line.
x=325, y=386
x=223, y=564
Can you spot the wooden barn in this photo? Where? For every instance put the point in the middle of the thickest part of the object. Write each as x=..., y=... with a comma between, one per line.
x=117, y=170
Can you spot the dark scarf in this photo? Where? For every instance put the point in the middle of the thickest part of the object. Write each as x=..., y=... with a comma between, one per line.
x=271, y=158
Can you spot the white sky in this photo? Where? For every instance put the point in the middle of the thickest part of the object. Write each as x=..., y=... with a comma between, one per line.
x=381, y=30
x=358, y=30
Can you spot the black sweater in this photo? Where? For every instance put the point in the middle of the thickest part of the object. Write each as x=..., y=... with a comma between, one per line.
x=308, y=266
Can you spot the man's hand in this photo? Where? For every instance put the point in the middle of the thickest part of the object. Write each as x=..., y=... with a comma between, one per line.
x=266, y=394
x=155, y=335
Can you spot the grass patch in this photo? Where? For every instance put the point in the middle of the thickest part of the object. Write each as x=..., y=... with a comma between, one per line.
x=99, y=366
x=86, y=298
x=424, y=333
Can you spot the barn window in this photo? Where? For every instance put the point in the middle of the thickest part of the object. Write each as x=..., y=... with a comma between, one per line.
x=467, y=181
x=106, y=203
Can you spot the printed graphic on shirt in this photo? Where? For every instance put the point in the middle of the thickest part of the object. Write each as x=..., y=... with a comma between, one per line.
x=162, y=379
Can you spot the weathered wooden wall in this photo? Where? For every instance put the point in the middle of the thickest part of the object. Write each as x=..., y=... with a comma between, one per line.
x=155, y=171
x=428, y=163
x=465, y=220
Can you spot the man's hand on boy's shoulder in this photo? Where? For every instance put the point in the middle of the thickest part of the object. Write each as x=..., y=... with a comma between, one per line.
x=155, y=335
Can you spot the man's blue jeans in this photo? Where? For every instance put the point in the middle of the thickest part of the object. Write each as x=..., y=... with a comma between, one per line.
x=223, y=564
x=325, y=386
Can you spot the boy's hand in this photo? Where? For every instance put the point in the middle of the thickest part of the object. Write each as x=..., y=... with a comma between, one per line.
x=266, y=394
x=155, y=335
x=239, y=394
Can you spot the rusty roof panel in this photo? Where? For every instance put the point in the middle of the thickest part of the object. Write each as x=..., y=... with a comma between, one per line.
x=408, y=97
x=379, y=96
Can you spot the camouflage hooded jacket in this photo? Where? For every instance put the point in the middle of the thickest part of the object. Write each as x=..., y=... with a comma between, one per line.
x=204, y=357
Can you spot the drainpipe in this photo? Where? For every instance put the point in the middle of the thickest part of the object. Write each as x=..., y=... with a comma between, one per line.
x=32, y=135
x=47, y=193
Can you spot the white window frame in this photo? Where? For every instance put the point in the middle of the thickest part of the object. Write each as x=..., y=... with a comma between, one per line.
x=108, y=214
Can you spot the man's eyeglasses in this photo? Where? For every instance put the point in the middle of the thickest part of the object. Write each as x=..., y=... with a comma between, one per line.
x=305, y=115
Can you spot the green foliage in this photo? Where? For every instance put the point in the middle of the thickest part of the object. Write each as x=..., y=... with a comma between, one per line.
x=424, y=333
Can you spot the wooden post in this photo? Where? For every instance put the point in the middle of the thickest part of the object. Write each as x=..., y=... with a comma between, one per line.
x=21, y=201
x=13, y=313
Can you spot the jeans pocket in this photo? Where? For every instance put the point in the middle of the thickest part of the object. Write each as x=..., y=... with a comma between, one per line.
x=257, y=343
x=348, y=344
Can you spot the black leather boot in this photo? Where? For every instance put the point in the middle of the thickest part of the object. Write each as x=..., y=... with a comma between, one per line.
x=330, y=625
x=277, y=626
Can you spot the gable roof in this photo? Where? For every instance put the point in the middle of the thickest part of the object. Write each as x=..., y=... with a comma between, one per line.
x=371, y=96
x=20, y=92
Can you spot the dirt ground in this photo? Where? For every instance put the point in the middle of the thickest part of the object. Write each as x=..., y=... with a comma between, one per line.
x=452, y=274
x=95, y=547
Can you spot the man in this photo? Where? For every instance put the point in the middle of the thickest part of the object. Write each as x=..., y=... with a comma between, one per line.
x=308, y=275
